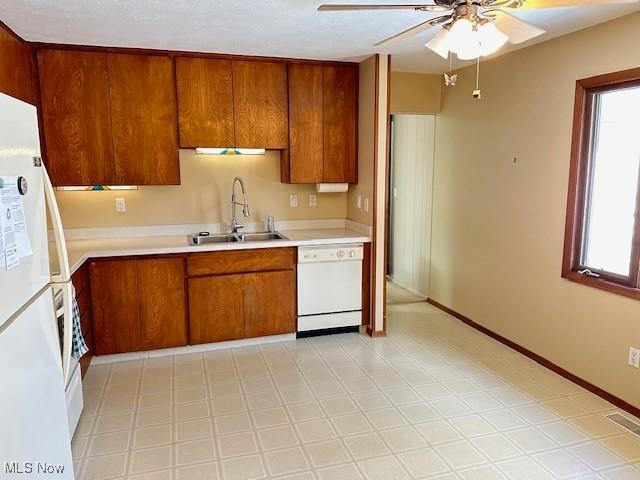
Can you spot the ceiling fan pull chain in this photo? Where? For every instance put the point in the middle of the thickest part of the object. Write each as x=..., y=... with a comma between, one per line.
x=476, y=93
x=449, y=78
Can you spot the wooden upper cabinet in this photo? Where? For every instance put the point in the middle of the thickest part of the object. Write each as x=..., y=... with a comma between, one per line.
x=16, y=67
x=76, y=117
x=340, y=99
x=114, y=296
x=205, y=102
x=260, y=104
x=144, y=119
x=305, y=124
x=162, y=301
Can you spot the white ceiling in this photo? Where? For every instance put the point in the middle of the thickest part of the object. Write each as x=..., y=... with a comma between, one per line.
x=284, y=28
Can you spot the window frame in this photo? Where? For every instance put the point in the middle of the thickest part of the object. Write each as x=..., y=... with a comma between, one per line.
x=579, y=178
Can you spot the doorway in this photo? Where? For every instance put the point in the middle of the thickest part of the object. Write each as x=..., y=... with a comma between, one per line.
x=410, y=207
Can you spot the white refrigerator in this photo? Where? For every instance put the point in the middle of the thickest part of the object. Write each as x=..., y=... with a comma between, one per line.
x=36, y=370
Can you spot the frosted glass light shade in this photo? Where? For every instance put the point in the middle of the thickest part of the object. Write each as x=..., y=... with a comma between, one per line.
x=460, y=35
x=440, y=43
x=491, y=39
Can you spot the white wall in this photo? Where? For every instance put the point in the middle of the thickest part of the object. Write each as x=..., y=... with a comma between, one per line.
x=411, y=200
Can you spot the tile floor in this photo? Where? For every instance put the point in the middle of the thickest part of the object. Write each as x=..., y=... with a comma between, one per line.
x=435, y=399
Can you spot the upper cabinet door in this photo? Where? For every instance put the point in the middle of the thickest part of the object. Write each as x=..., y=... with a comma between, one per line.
x=77, y=117
x=305, y=124
x=144, y=119
x=260, y=104
x=205, y=102
x=340, y=123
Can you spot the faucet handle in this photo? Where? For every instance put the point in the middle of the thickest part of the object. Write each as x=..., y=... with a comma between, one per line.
x=270, y=223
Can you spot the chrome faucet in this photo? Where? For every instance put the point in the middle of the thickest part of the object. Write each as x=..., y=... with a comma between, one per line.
x=235, y=226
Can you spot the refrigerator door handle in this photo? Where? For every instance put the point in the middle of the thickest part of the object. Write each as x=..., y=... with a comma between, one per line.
x=58, y=231
x=67, y=319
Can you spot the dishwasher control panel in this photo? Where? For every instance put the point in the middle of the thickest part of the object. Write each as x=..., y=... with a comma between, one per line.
x=330, y=253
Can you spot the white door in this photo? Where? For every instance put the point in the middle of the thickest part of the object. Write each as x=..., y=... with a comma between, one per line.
x=19, y=143
x=33, y=416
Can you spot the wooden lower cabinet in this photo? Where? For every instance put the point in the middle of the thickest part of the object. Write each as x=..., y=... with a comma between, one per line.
x=161, y=297
x=230, y=307
x=216, y=308
x=138, y=304
x=116, y=316
x=269, y=303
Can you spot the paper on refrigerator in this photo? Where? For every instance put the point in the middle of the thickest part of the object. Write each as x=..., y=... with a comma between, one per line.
x=15, y=243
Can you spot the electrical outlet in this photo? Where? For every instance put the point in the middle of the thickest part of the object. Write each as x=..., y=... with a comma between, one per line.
x=366, y=204
x=313, y=200
x=293, y=201
x=121, y=205
x=634, y=357
x=359, y=201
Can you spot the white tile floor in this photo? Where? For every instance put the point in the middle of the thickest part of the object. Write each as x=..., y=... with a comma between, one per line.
x=435, y=399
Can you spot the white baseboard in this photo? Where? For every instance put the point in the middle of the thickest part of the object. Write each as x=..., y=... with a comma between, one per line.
x=205, y=347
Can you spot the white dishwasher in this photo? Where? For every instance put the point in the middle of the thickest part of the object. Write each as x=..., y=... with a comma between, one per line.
x=329, y=289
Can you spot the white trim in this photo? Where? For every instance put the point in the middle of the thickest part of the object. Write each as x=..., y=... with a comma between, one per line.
x=187, y=229
x=205, y=347
x=380, y=190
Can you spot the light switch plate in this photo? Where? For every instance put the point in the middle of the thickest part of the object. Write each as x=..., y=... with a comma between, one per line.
x=293, y=201
x=634, y=357
x=121, y=205
x=366, y=204
x=359, y=201
x=313, y=200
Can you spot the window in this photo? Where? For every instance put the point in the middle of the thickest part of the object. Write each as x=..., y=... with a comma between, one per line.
x=602, y=238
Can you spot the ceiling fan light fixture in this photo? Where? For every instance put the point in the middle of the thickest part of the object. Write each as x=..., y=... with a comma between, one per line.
x=491, y=39
x=440, y=43
x=461, y=34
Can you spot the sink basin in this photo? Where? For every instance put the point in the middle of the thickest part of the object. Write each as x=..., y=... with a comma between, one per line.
x=261, y=236
x=204, y=238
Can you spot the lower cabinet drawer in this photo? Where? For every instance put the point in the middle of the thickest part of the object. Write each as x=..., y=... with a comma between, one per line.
x=241, y=261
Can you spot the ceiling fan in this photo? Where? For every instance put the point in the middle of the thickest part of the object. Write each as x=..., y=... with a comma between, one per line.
x=471, y=28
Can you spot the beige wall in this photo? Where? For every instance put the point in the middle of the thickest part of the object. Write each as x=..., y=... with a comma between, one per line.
x=203, y=197
x=415, y=93
x=366, y=114
x=498, y=225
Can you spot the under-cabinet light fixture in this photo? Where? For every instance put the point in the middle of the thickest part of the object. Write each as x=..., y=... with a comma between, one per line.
x=97, y=188
x=230, y=151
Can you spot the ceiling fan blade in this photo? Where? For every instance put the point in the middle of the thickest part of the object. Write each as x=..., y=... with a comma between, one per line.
x=530, y=4
x=421, y=7
x=408, y=33
x=517, y=30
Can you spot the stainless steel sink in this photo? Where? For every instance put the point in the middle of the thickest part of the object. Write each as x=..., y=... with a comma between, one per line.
x=261, y=236
x=204, y=238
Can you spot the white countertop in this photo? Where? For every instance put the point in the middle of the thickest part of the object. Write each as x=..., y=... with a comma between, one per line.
x=81, y=250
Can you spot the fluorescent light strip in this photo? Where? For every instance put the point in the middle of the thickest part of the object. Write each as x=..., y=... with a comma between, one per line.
x=97, y=188
x=229, y=151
